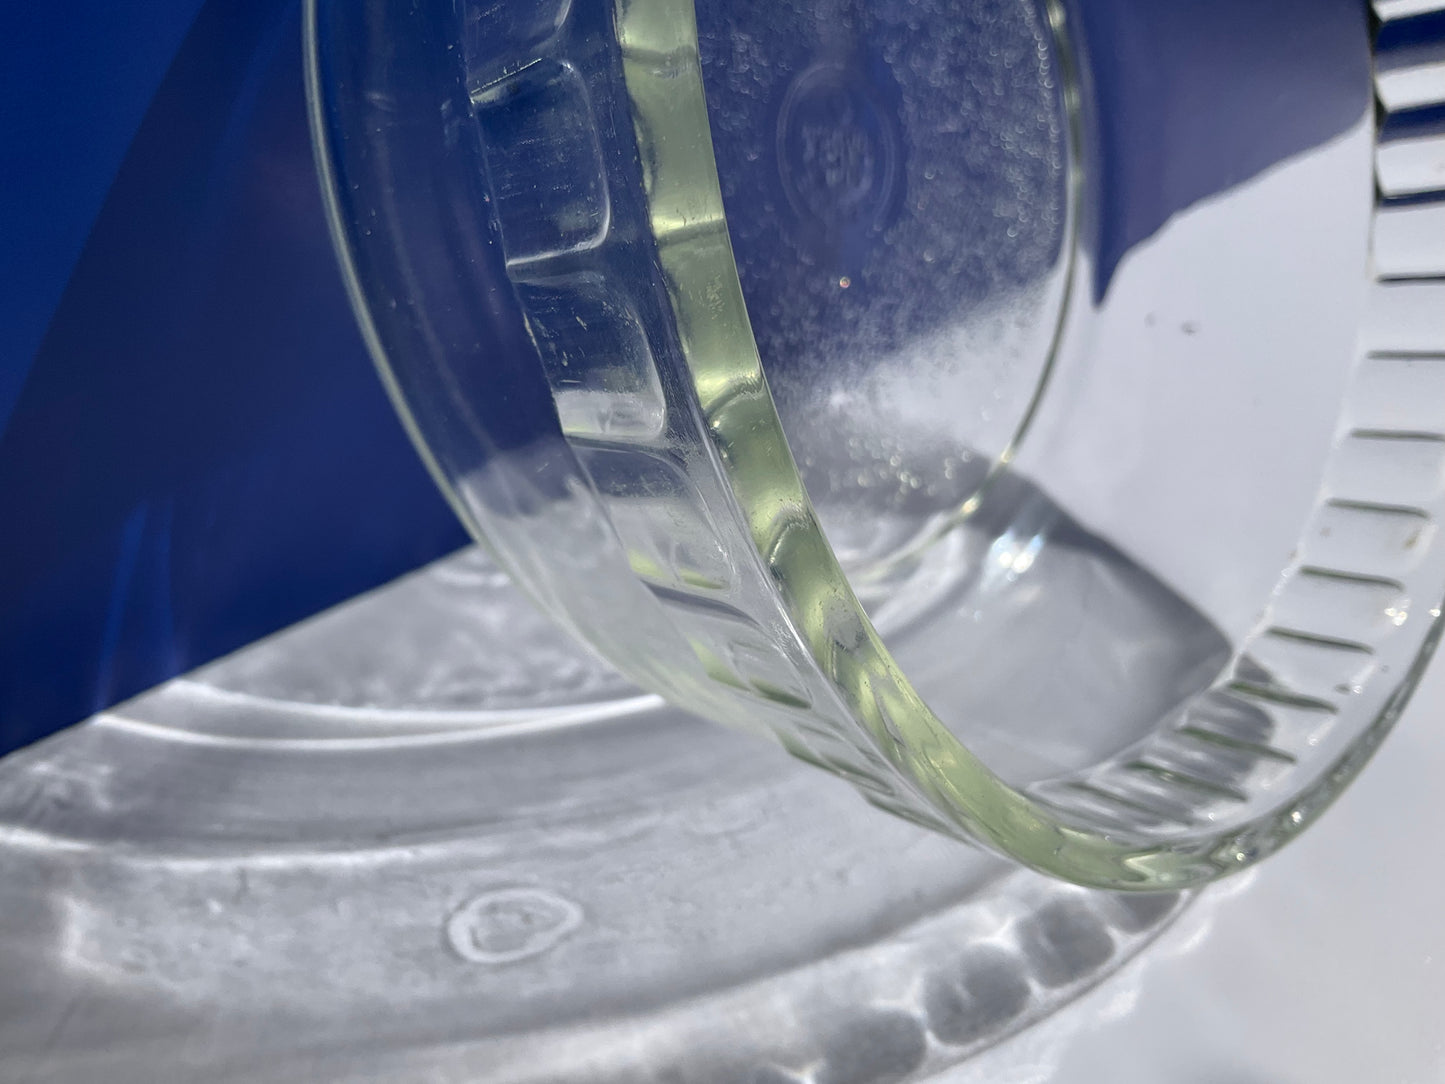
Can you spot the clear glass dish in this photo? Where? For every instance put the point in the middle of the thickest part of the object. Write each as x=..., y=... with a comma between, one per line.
x=1029, y=412
x=426, y=836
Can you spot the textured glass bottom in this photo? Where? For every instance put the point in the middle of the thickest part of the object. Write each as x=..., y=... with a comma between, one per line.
x=424, y=836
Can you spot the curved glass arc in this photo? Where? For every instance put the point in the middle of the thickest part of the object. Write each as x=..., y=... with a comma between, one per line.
x=564, y=220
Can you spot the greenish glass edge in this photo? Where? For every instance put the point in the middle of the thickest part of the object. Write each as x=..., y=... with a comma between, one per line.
x=663, y=77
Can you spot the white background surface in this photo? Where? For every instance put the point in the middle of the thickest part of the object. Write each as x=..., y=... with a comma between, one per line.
x=1212, y=355
x=1326, y=965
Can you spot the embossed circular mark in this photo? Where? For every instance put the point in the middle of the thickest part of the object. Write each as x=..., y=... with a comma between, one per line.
x=837, y=149
x=511, y=924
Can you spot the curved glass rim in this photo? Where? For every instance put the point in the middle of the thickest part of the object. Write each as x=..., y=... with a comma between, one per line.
x=684, y=197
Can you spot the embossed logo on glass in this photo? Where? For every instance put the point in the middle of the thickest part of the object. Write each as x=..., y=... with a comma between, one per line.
x=510, y=924
x=837, y=150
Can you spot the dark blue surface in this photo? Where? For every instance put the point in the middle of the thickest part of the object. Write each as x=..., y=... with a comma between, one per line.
x=75, y=81
x=202, y=452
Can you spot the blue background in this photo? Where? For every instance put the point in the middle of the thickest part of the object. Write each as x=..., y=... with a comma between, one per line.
x=198, y=450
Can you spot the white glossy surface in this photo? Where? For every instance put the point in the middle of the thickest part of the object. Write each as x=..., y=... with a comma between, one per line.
x=1210, y=357
x=424, y=837
x=1324, y=966
x=191, y=890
